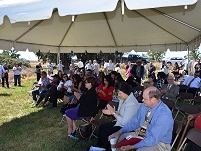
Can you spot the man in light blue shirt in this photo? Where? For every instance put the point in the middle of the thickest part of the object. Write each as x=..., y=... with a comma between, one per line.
x=158, y=128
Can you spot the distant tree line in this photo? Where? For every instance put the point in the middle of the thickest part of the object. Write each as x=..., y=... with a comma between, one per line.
x=10, y=57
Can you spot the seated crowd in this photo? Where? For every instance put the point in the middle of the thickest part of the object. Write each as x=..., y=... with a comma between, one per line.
x=88, y=92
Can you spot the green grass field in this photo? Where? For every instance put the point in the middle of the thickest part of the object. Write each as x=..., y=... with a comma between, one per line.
x=23, y=128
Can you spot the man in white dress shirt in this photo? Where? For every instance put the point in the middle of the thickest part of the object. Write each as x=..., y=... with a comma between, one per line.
x=193, y=83
x=110, y=66
x=80, y=65
x=89, y=66
x=60, y=66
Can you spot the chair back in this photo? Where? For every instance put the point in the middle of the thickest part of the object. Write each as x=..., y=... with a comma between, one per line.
x=169, y=103
x=197, y=99
x=184, y=95
x=194, y=135
x=139, y=88
x=183, y=88
x=139, y=98
x=189, y=109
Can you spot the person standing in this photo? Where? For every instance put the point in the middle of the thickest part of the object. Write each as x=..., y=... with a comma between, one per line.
x=17, y=74
x=2, y=72
x=110, y=66
x=96, y=67
x=38, y=71
x=138, y=69
x=5, y=77
x=60, y=66
x=151, y=69
x=105, y=67
x=80, y=65
x=50, y=66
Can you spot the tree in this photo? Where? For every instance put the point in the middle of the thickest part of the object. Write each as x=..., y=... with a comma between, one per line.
x=155, y=55
x=44, y=56
x=195, y=54
x=11, y=53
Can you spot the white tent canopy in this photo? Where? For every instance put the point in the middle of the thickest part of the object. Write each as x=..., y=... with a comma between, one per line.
x=88, y=25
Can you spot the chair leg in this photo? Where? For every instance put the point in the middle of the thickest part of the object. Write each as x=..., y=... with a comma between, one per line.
x=63, y=119
x=182, y=144
x=176, y=115
x=92, y=134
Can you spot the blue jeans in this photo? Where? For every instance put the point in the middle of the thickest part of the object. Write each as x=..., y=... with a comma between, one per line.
x=36, y=92
x=17, y=78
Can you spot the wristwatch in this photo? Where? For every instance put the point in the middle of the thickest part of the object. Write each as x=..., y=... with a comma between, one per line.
x=113, y=113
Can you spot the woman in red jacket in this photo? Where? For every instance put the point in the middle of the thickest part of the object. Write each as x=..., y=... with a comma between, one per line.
x=105, y=92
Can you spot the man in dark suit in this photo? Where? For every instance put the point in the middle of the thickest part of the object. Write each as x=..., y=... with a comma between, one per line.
x=138, y=69
x=170, y=90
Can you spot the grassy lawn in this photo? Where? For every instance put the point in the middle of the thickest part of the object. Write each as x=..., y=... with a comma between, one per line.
x=31, y=129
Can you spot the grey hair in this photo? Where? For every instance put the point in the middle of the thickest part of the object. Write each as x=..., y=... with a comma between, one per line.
x=154, y=94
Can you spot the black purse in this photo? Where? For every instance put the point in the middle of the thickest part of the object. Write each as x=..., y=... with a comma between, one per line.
x=66, y=107
x=85, y=130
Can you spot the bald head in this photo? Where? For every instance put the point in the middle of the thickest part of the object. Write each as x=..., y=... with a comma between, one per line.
x=151, y=96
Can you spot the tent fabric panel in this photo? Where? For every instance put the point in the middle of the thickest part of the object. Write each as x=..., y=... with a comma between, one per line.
x=21, y=11
x=49, y=32
x=144, y=4
x=89, y=30
x=179, y=30
x=12, y=31
x=132, y=29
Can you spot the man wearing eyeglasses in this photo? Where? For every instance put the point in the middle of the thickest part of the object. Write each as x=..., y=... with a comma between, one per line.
x=193, y=83
x=170, y=90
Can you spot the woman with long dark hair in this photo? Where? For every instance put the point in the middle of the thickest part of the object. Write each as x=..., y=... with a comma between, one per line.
x=105, y=92
x=87, y=106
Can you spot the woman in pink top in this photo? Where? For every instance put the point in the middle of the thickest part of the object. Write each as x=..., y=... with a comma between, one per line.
x=128, y=68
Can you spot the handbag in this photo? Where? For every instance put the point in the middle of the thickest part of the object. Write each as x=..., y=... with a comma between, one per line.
x=85, y=130
x=66, y=107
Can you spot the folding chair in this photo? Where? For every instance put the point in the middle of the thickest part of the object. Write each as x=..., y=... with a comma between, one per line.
x=139, y=88
x=176, y=131
x=169, y=103
x=138, y=91
x=139, y=99
x=96, y=123
x=197, y=99
x=193, y=135
x=185, y=96
x=63, y=119
x=182, y=88
x=186, y=109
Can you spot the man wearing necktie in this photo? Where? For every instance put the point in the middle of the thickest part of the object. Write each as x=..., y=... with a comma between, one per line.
x=193, y=83
x=153, y=124
x=170, y=90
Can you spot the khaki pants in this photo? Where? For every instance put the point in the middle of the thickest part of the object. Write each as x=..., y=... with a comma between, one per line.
x=159, y=147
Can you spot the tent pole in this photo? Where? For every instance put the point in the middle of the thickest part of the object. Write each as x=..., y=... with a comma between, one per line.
x=177, y=20
x=188, y=60
x=58, y=55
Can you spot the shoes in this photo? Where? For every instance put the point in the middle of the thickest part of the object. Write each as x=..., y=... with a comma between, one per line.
x=34, y=102
x=73, y=133
x=73, y=137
